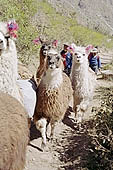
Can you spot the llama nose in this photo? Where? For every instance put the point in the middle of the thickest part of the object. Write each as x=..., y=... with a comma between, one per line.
x=78, y=56
x=45, y=51
x=51, y=63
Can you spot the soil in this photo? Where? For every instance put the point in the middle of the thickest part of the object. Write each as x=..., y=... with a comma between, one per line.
x=69, y=149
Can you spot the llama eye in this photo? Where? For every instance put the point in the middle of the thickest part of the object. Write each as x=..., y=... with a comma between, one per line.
x=49, y=47
x=58, y=58
x=48, y=57
x=43, y=46
x=84, y=54
x=75, y=53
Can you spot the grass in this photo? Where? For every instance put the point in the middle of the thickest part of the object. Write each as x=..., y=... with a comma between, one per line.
x=101, y=146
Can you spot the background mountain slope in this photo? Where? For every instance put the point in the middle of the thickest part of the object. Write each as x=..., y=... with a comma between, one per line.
x=94, y=14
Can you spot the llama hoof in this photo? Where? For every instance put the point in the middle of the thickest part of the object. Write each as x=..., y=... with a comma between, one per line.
x=70, y=109
x=51, y=139
x=43, y=145
x=44, y=148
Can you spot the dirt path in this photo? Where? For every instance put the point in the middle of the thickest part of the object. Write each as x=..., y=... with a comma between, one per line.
x=69, y=149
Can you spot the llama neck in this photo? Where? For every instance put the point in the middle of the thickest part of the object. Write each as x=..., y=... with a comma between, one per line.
x=53, y=78
x=8, y=70
x=41, y=69
x=80, y=74
x=42, y=58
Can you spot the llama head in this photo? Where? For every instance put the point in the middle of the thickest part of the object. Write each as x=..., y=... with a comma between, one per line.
x=6, y=33
x=46, y=46
x=53, y=60
x=79, y=57
x=3, y=41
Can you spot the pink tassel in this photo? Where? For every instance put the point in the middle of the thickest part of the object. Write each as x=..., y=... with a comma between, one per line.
x=12, y=28
x=36, y=41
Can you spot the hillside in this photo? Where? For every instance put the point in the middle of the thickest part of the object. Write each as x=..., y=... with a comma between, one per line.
x=52, y=19
x=93, y=14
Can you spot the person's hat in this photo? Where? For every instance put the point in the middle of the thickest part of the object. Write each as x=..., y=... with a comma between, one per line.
x=94, y=50
x=66, y=43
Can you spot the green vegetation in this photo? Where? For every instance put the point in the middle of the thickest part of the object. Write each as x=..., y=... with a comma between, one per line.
x=22, y=11
x=65, y=28
x=101, y=147
x=49, y=23
x=108, y=67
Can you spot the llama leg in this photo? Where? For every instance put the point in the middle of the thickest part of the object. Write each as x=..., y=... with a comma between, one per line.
x=84, y=105
x=52, y=129
x=79, y=114
x=75, y=110
x=43, y=133
x=47, y=129
x=41, y=126
x=75, y=103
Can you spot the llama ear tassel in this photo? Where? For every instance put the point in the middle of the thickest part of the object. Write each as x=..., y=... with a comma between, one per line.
x=36, y=41
x=12, y=27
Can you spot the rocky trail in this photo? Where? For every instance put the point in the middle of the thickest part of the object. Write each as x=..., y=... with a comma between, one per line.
x=70, y=147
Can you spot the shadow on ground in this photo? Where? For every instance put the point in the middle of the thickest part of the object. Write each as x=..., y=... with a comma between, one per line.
x=34, y=133
x=73, y=147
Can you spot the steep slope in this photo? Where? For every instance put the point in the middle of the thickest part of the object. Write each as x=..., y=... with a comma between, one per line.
x=94, y=14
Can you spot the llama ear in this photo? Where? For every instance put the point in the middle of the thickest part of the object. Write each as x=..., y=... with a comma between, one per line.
x=41, y=40
x=7, y=37
x=55, y=43
x=88, y=49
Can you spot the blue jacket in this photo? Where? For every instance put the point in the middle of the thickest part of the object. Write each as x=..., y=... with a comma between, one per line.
x=68, y=60
x=94, y=60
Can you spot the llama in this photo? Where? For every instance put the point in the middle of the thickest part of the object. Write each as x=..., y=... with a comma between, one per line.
x=13, y=132
x=54, y=93
x=28, y=87
x=23, y=90
x=13, y=117
x=46, y=45
x=83, y=82
x=43, y=56
x=8, y=63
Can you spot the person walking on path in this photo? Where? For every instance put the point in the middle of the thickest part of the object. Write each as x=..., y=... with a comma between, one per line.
x=94, y=60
